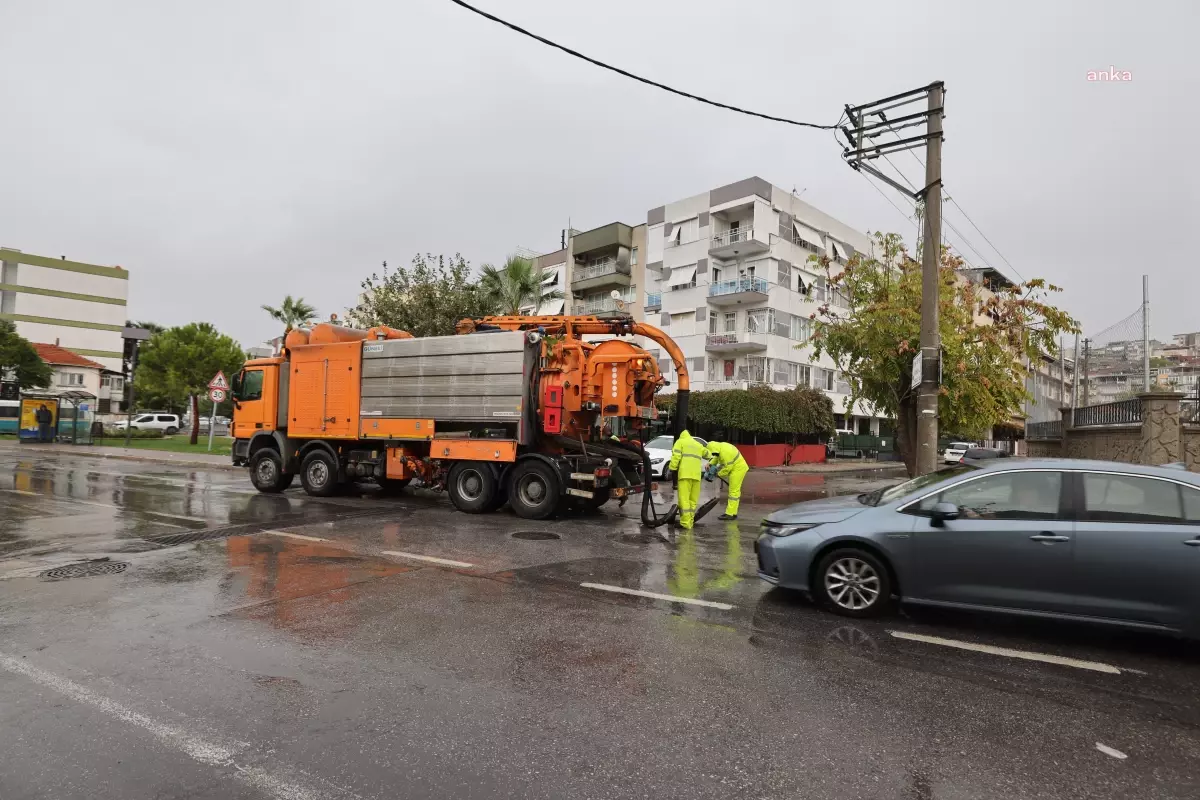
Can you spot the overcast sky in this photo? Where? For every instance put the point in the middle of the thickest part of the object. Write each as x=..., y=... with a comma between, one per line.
x=227, y=153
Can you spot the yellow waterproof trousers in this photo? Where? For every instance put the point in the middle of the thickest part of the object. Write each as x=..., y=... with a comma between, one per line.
x=736, y=476
x=688, y=497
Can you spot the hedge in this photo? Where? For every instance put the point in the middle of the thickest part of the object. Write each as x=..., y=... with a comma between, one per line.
x=801, y=412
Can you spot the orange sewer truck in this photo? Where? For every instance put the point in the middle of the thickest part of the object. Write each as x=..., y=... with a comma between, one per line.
x=509, y=410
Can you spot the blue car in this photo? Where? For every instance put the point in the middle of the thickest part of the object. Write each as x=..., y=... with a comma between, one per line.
x=1087, y=540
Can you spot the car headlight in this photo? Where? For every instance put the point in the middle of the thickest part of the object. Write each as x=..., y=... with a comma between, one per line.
x=657, y=460
x=787, y=530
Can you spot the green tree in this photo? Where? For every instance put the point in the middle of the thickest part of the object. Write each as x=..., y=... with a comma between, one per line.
x=19, y=362
x=516, y=284
x=426, y=298
x=177, y=364
x=988, y=335
x=292, y=313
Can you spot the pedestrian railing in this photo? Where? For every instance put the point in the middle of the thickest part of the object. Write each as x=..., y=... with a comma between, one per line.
x=1122, y=412
x=1042, y=431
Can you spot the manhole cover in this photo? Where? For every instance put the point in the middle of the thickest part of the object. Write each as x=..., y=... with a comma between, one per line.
x=535, y=536
x=84, y=569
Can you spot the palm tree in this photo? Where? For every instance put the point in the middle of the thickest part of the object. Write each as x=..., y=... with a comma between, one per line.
x=515, y=285
x=292, y=313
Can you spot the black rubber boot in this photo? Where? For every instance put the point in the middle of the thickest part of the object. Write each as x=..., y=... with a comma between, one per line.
x=727, y=517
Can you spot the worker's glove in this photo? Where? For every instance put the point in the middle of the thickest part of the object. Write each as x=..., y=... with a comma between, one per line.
x=674, y=480
x=710, y=474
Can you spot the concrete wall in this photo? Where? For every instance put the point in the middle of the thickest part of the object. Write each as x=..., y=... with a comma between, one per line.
x=1160, y=438
x=1105, y=444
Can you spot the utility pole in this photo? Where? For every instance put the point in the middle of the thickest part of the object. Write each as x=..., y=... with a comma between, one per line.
x=931, y=257
x=863, y=146
x=1145, y=333
x=1062, y=372
x=1087, y=362
x=1075, y=377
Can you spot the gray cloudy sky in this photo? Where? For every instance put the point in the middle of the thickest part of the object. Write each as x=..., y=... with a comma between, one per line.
x=227, y=153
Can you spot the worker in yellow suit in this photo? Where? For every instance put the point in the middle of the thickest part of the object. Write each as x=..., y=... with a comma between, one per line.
x=732, y=467
x=687, y=467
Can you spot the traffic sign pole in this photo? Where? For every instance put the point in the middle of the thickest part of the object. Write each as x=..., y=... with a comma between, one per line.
x=217, y=388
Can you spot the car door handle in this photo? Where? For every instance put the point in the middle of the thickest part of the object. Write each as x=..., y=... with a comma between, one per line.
x=1049, y=537
x=1192, y=542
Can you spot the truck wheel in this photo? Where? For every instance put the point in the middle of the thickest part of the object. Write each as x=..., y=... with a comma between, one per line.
x=533, y=490
x=266, y=472
x=472, y=487
x=319, y=474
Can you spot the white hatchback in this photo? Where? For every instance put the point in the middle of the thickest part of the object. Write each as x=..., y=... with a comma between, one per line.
x=955, y=451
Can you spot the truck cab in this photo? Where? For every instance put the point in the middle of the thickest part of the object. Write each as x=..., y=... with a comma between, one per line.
x=259, y=394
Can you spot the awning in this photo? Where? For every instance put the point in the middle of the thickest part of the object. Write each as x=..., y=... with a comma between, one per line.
x=550, y=307
x=840, y=249
x=551, y=276
x=809, y=235
x=682, y=275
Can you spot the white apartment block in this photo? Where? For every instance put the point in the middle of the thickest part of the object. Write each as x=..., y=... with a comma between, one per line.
x=592, y=266
x=728, y=273
x=78, y=306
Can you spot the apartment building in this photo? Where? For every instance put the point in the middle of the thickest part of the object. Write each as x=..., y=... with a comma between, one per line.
x=728, y=275
x=80, y=306
x=591, y=267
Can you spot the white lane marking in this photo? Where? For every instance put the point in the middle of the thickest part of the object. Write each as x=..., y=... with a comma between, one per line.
x=445, y=562
x=1109, y=751
x=604, y=587
x=20, y=491
x=196, y=747
x=300, y=536
x=1094, y=666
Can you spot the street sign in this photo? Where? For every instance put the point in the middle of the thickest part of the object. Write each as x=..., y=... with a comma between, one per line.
x=219, y=382
x=216, y=395
x=916, y=370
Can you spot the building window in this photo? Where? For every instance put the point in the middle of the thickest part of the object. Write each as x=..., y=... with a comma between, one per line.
x=760, y=320
x=801, y=330
x=633, y=257
x=105, y=381
x=818, y=289
x=70, y=379
x=714, y=324
x=730, y=321
x=798, y=374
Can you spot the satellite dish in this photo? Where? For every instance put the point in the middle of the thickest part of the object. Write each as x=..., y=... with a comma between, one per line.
x=615, y=294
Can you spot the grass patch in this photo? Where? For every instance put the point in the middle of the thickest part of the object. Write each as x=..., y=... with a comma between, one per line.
x=222, y=445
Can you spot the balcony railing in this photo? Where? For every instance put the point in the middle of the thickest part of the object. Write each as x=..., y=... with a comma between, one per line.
x=736, y=285
x=1042, y=431
x=1122, y=412
x=607, y=305
x=653, y=300
x=596, y=269
x=732, y=237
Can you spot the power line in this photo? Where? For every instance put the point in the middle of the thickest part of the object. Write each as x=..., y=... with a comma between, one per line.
x=638, y=78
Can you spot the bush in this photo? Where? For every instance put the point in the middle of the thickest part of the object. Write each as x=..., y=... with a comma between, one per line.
x=797, y=413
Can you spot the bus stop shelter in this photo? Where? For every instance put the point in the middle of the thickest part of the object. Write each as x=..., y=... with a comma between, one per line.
x=74, y=412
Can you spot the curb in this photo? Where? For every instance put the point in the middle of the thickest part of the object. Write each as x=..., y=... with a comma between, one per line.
x=144, y=458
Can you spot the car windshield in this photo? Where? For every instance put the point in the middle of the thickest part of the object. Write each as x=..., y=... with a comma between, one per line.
x=959, y=446
x=888, y=494
x=662, y=442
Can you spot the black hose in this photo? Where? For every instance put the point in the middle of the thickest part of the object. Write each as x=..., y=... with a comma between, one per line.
x=650, y=516
x=681, y=411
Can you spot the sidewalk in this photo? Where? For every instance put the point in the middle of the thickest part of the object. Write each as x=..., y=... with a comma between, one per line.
x=121, y=453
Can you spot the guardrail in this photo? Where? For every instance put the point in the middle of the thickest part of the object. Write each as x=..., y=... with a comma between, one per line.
x=736, y=285
x=1122, y=412
x=1041, y=431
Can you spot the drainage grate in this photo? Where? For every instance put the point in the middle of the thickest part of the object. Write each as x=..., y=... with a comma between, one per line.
x=186, y=537
x=84, y=569
x=535, y=536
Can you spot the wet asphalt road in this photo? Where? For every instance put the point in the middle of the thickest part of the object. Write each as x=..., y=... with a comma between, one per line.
x=284, y=647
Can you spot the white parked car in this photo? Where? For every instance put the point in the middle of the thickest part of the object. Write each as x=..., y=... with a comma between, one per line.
x=659, y=450
x=167, y=423
x=955, y=451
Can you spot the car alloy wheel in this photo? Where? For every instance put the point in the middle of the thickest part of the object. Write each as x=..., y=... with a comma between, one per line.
x=852, y=584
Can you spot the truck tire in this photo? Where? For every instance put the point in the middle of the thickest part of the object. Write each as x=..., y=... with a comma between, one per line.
x=319, y=474
x=472, y=487
x=533, y=490
x=266, y=472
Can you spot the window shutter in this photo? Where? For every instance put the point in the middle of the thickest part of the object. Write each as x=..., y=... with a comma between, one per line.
x=701, y=313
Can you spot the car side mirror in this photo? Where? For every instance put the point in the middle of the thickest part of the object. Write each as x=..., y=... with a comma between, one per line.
x=941, y=512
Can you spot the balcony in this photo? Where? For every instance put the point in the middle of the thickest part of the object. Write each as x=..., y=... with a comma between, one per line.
x=608, y=305
x=737, y=291
x=735, y=342
x=653, y=300
x=737, y=243
x=607, y=272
